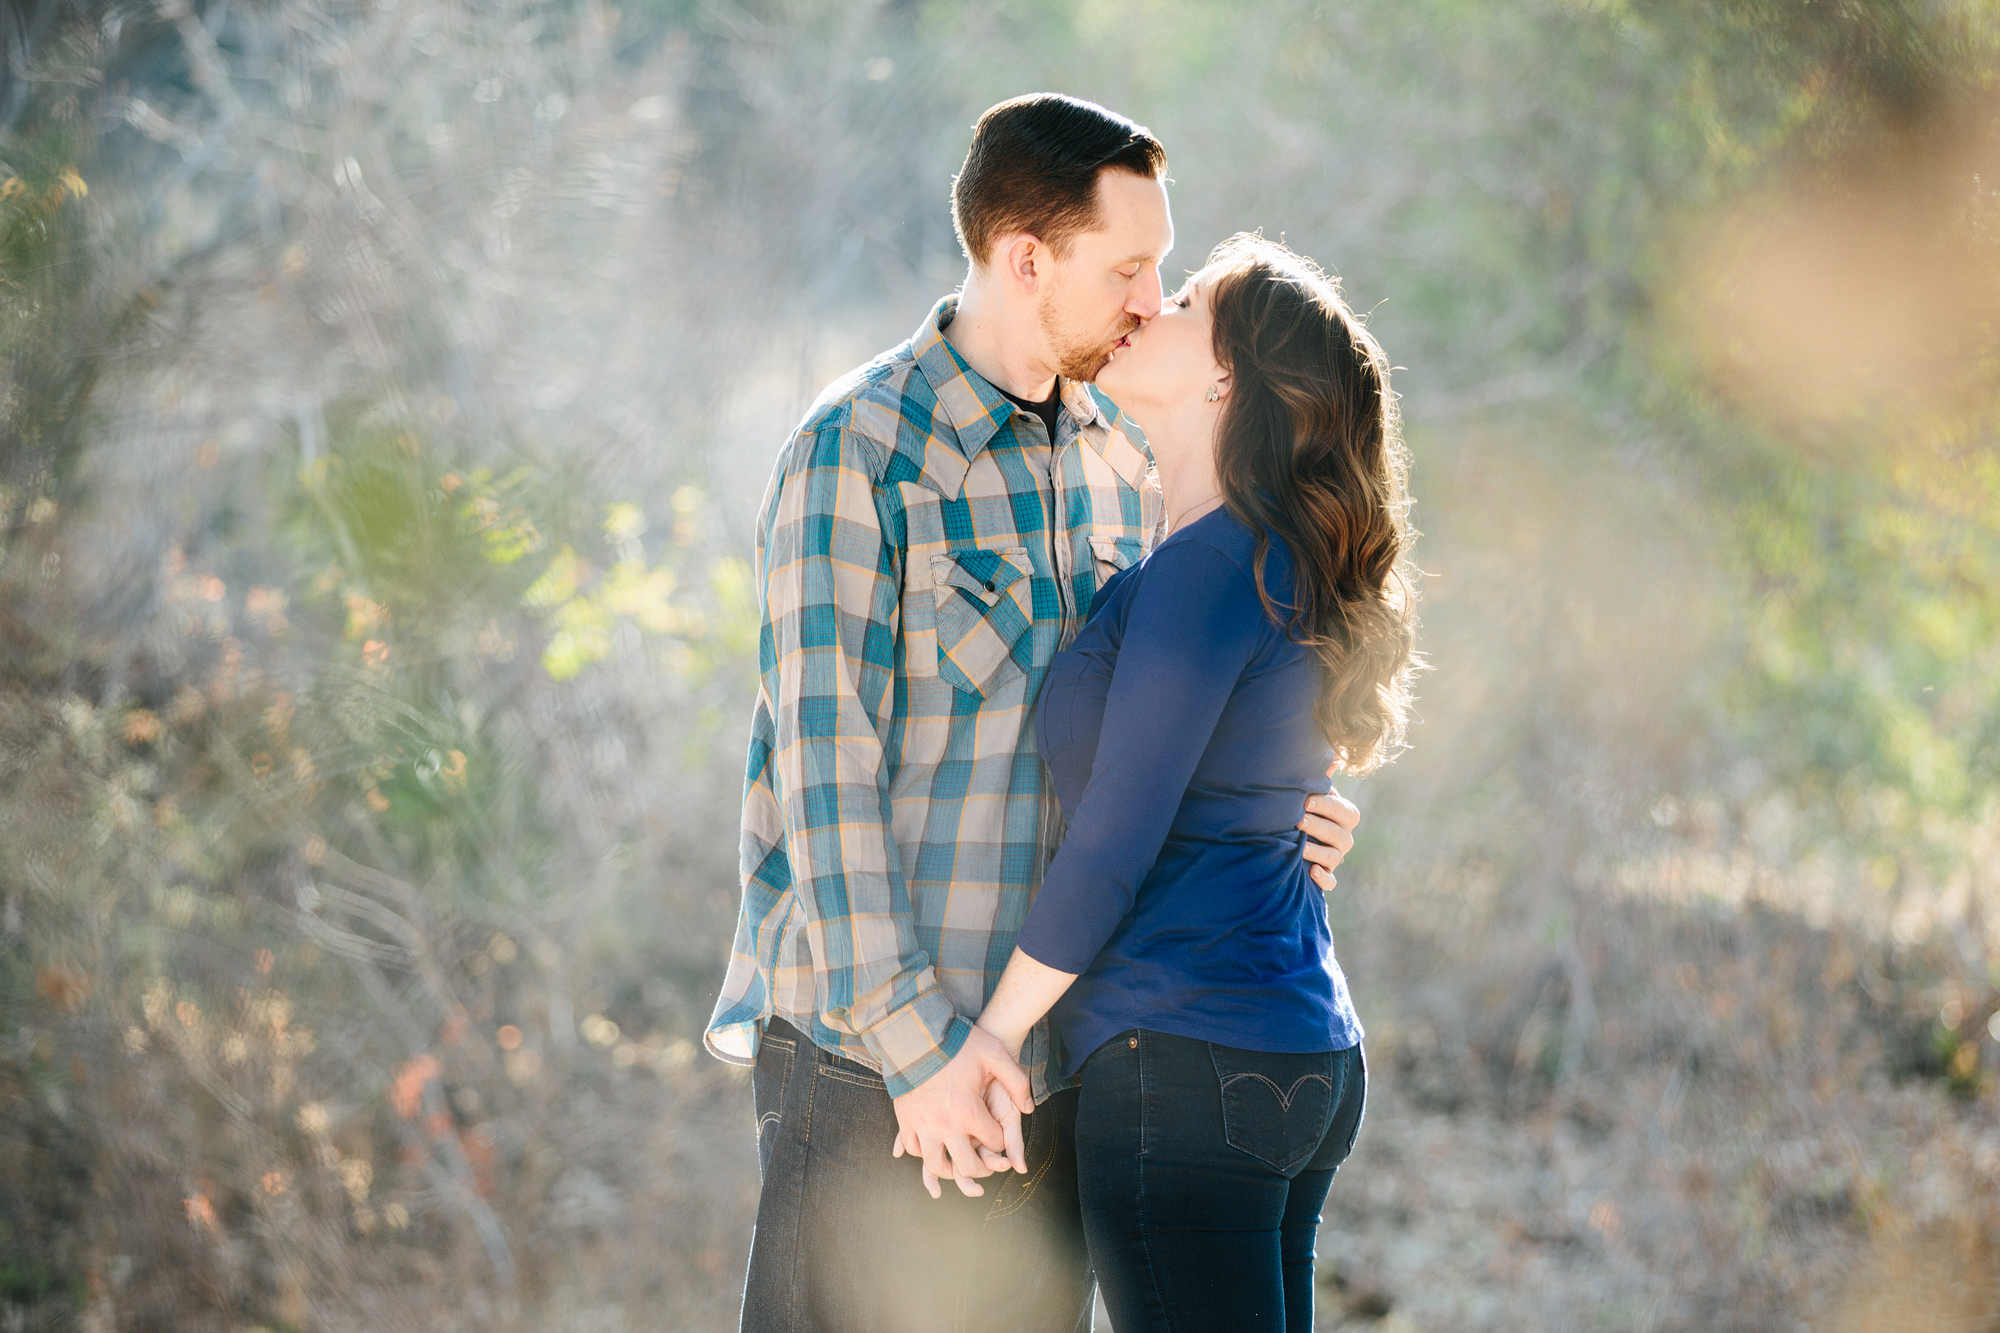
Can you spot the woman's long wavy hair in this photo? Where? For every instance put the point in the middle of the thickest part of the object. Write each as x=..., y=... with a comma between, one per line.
x=1309, y=448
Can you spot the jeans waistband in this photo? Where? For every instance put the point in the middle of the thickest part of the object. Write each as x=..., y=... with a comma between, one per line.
x=781, y=1027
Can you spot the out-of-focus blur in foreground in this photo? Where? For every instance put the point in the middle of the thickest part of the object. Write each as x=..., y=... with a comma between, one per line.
x=385, y=393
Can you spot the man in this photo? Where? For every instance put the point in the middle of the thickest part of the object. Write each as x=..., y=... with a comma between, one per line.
x=934, y=532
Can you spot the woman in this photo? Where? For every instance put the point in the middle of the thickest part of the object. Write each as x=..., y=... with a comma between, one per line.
x=1177, y=944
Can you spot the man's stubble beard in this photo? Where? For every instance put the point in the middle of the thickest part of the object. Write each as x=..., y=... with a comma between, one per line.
x=1076, y=359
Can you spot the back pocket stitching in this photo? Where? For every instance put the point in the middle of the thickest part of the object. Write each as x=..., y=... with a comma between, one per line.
x=1284, y=1096
x=1241, y=1135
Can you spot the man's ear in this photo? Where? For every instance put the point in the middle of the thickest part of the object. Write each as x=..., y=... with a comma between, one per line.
x=1022, y=258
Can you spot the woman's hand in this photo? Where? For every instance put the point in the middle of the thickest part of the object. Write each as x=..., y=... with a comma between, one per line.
x=1329, y=828
x=1000, y=1103
x=1025, y=992
x=951, y=1116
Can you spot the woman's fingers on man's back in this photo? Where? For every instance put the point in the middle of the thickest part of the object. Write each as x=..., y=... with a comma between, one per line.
x=1328, y=823
x=1326, y=841
x=1332, y=805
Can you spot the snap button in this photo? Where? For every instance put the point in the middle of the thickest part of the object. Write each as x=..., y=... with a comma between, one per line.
x=989, y=585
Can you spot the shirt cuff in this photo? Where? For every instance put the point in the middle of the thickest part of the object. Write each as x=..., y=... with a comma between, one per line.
x=917, y=1040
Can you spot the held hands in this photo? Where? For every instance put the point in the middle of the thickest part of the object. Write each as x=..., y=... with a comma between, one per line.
x=1000, y=1103
x=965, y=1120
x=983, y=1089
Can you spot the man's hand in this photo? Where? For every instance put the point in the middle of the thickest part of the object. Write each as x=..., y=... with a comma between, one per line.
x=1001, y=1103
x=1329, y=829
x=949, y=1117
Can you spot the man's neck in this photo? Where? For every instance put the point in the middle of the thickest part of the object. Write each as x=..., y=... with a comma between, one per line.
x=992, y=343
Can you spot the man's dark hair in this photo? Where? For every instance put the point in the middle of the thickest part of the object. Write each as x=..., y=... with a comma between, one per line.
x=1033, y=167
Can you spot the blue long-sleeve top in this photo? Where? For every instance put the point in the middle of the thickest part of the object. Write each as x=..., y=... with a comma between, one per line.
x=1179, y=735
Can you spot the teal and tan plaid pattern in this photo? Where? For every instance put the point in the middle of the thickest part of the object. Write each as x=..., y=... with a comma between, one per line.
x=923, y=552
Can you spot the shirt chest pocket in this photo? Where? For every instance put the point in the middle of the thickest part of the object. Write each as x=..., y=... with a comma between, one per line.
x=1113, y=554
x=985, y=610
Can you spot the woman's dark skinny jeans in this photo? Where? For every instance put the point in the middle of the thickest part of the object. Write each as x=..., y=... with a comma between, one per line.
x=1201, y=1171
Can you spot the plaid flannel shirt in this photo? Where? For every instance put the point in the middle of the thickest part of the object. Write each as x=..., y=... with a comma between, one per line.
x=924, y=550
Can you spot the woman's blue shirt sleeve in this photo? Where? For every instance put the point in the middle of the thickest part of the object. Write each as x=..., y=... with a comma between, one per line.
x=1193, y=624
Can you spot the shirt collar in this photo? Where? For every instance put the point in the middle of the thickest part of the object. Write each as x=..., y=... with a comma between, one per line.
x=972, y=408
x=1083, y=404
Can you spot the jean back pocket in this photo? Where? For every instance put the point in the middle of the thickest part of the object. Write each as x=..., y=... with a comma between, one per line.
x=1278, y=1107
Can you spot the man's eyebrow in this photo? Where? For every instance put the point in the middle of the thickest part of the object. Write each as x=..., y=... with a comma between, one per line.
x=1145, y=257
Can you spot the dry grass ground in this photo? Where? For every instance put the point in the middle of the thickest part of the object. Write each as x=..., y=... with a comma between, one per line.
x=1749, y=1141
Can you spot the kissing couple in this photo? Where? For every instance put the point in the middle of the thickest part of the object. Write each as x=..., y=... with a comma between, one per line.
x=1036, y=818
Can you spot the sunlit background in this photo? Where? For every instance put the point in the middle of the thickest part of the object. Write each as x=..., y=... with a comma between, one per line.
x=385, y=394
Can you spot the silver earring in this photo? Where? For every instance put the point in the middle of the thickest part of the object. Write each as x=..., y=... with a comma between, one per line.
x=1214, y=392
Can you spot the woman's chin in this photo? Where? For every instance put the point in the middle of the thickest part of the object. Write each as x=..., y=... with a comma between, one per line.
x=1113, y=374
x=1128, y=387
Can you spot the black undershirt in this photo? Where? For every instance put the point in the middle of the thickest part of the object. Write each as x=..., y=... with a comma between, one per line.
x=1048, y=410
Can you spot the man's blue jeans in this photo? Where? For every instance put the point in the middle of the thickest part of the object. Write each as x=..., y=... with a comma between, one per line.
x=1201, y=1170
x=847, y=1240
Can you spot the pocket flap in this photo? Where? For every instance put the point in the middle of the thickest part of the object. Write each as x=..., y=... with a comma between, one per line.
x=984, y=574
x=985, y=609
x=1118, y=552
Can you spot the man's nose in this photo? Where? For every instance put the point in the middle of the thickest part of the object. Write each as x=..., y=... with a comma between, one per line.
x=1147, y=295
